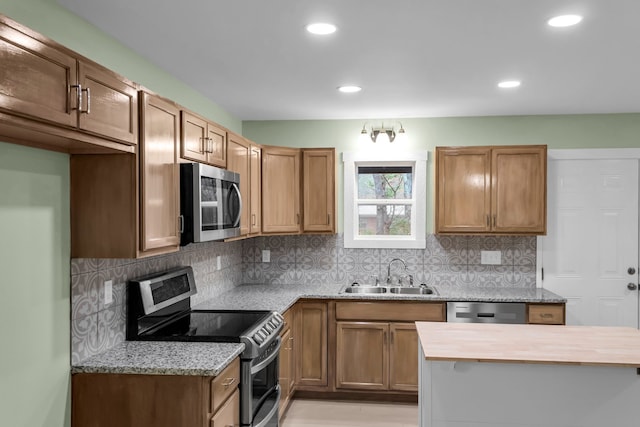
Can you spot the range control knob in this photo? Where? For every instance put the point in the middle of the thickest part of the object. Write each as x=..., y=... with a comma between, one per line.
x=257, y=338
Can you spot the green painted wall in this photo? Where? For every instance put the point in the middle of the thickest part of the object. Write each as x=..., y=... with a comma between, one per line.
x=34, y=288
x=55, y=22
x=563, y=131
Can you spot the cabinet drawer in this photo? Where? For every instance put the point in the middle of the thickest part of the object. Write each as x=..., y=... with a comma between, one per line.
x=391, y=311
x=548, y=314
x=229, y=414
x=224, y=384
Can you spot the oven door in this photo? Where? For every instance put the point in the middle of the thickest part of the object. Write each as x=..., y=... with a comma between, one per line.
x=261, y=391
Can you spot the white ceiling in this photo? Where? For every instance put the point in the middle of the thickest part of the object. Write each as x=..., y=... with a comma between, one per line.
x=413, y=58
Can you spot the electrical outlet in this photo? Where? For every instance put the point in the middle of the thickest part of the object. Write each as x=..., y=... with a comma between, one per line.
x=491, y=257
x=108, y=292
x=266, y=255
x=218, y=262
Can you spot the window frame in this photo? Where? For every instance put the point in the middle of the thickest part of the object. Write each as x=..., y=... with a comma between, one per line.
x=418, y=161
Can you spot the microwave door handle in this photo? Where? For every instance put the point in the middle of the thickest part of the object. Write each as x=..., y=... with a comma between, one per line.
x=237, y=220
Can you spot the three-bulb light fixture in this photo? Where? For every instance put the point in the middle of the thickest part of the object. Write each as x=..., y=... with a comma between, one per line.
x=382, y=133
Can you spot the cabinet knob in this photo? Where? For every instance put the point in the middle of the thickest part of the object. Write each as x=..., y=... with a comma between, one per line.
x=631, y=270
x=632, y=286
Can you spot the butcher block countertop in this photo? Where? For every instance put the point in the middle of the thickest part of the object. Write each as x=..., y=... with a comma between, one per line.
x=549, y=344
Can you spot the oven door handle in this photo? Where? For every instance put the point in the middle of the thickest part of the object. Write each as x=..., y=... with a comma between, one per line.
x=271, y=413
x=265, y=362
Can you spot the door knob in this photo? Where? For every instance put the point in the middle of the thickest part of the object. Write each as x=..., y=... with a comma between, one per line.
x=632, y=286
x=631, y=270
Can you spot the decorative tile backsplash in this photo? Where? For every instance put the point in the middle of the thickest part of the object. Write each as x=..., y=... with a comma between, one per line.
x=313, y=259
x=453, y=260
x=96, y=326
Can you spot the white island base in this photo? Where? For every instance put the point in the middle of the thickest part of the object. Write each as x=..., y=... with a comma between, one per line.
x=472, y=394
x=526, y=376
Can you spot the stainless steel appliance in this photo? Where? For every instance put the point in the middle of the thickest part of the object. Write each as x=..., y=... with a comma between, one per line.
x=486, y=312
x=159, y=309
x=210, y=203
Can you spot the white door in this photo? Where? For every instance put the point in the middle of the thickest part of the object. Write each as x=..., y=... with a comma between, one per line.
x=590, y=253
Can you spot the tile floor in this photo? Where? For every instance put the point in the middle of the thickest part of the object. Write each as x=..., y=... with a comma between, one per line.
x=330, y=413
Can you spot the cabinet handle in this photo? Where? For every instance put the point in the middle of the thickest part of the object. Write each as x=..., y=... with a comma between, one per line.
x=298, y=219
x=392, y=334
x=181, y=224
x=328, y=219
x=546, y=315
x=210, y=145
x=78, y=89
x=88, y=110
x=229, y=382
x=494, y=220
x=203, y=149
x=253, y=219
x=384, y=338
x=488, y=221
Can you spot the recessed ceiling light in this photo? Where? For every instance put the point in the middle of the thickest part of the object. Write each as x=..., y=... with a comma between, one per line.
x=508, y=84
x=564, y=20
x=349, y=89
x=321, y=28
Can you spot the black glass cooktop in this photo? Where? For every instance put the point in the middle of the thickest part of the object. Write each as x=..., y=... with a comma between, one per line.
x=207, y=325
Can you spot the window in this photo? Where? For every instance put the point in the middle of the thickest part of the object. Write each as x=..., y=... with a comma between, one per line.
x=385, y=200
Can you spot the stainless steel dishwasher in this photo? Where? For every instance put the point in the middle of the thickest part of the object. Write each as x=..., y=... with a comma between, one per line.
x=486, y=312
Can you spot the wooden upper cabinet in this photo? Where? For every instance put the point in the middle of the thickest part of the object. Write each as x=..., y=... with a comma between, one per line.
x=238, y=158
x=109, y=105
x=519, y=189
x=255, y=202
x=127, y=206
x=491, y=190
x=159, y=174
x=50, y=84
x=318, y=189
x=203, y=141
x=281, y=190
x=463, y=189
x=36, y=78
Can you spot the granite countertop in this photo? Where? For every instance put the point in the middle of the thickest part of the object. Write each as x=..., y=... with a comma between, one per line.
x=191, y=358
x=281, y=297
x=162, y=358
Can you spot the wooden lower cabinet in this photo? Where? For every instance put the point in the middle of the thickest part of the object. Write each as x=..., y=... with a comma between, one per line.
x=133, y=400
x=311, y=344
x=362, y=355
x=376, y=356
x=287, y=361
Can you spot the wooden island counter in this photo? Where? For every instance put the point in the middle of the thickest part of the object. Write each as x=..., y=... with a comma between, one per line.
x=528, y=375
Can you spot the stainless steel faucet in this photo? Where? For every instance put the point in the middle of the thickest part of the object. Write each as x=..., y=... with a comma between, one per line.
x=404, y=265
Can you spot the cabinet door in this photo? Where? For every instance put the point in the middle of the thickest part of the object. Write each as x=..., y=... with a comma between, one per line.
x=229, y=414
x=463, y=189
x=311, y=344
x=280, y=190
x=318, y=189
x=109, y=105
x=255, y=193
x=194, y=138
x=217, y=146
x=285, y=370
x=159, y=174
x=519, y=189
x=403, y=357
x=36, y=79
x=362, y=355
x=238, y=161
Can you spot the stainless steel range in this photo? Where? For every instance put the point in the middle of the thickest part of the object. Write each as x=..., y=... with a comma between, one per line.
x=159, y=309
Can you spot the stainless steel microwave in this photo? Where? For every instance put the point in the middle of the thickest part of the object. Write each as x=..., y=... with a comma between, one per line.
x=210, y=203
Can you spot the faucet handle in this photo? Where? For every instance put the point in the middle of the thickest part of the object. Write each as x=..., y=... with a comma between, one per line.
x=375, y=276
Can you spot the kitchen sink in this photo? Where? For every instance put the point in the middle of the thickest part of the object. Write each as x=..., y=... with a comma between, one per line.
x=365, y=290
x=400, y=290
x=421, y=290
